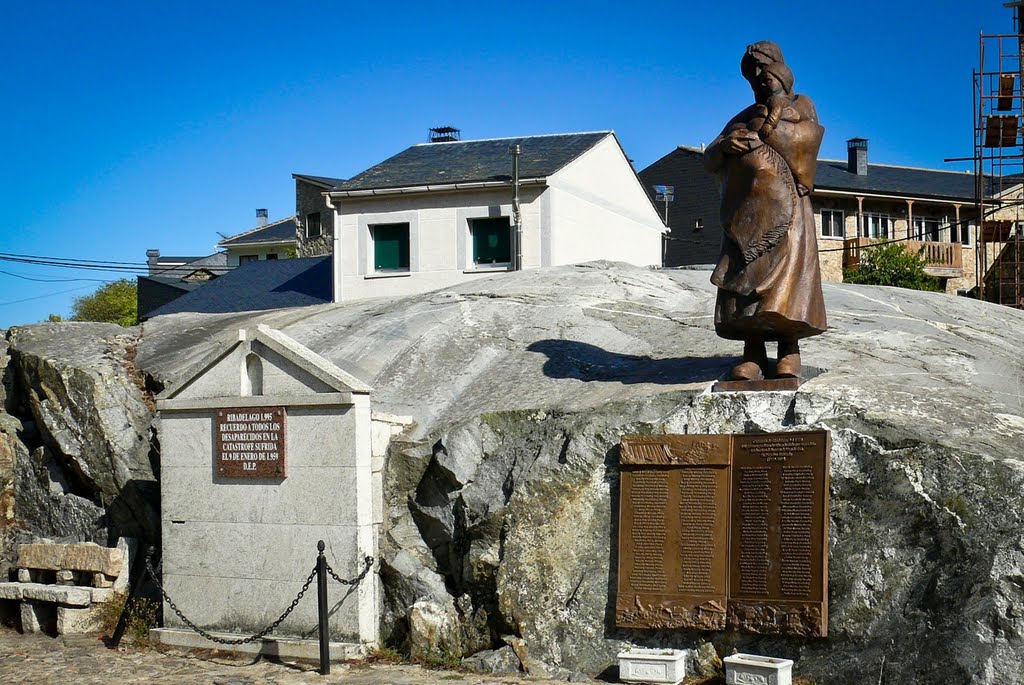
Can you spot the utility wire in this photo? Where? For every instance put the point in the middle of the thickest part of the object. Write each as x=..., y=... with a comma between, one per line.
x=70, y=259
x=874, y=244
x=72, y=265
x=51, y=280
x=39, y=297
x=97, y=265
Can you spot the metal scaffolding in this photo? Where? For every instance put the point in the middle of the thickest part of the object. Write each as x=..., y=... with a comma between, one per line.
x=999, y=163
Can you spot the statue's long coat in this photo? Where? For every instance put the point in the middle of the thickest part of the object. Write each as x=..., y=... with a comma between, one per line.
x=768, y=275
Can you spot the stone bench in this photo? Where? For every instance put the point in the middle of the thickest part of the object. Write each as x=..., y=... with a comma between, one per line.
x=71, y=563
x=65, y=606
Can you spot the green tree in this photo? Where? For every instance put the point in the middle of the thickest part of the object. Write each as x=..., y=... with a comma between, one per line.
x=891, y=264
x=115, y=302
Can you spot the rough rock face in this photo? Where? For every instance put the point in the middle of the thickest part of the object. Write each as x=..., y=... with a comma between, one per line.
x=76, y=434
x=501, y=503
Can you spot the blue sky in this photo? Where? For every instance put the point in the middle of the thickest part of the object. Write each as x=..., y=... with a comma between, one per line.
x=131, y=125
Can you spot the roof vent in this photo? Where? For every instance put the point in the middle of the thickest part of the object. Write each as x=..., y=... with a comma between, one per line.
x=261, y=217
x=444, y=134
x=857, y=156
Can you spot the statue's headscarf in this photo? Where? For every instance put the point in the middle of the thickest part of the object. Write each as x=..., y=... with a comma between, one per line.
x=762, y=52
x=769, y=56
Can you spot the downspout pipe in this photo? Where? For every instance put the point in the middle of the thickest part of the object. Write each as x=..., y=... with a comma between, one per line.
x=517, y=216
x=337, y=291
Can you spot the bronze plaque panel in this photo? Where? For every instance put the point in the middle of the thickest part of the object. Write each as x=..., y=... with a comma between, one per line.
x=778, y=570
x=673, y=534
x=250, y=442
x=724, y=531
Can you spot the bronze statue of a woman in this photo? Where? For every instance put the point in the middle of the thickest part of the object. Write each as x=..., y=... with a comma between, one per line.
x=768, y=278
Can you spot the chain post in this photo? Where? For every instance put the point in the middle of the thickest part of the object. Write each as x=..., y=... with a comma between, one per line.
x=321, y=595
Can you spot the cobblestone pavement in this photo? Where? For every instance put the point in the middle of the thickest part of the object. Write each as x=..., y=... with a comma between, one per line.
x=84, y=660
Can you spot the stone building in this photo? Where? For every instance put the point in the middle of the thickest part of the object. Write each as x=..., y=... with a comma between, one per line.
x=855, y=204
x=314, y=228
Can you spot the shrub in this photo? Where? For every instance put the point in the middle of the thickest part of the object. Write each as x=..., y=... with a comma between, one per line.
x=891, y=264
x=115, y=302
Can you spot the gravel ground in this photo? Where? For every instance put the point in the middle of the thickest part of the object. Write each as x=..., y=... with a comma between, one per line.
x=84, y=660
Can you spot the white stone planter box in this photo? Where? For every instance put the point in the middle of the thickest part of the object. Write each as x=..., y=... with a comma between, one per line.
x=748, y=669
x=644, y=665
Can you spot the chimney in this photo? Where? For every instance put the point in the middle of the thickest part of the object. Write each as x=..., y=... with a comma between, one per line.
x=152, y=260
x=857, y=156
x=444, y=134
x=261, y=217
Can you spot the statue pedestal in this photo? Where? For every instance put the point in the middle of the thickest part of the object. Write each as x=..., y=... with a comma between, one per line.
x=767, y=384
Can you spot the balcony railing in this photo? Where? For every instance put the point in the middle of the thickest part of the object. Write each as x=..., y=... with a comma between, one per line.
x=942, y=258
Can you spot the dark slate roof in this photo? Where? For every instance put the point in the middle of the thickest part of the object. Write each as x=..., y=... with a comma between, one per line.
x=174, y=268
x=175, y=260
x=896, y=180
x=325, y=181
x=467, y=161
x=173, y=282
x=264, y=284
x=280, y=231
x=156, y=291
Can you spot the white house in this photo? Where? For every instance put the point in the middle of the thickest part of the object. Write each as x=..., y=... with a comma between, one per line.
x=275, y=240
x=438, y=214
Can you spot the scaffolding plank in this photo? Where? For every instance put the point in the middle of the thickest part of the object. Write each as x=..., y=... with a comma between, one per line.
x=996, y=230
x=1001, y=130
x=1006, y=88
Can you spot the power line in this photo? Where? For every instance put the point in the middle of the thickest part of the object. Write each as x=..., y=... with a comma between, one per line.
x=51, y=280
x=72, y=265
x=40, y=297
x=98, y=265
x=873, y=244
x=71, y=259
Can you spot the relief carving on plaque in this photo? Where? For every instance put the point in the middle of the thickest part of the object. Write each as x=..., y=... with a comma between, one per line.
x=674, y=450
x=632, y=612
x=802, y=620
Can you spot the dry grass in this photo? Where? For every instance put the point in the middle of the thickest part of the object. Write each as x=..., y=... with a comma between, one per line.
x=142, y=614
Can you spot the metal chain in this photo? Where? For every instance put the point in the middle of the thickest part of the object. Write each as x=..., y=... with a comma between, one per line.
x=252, y=638
x=368, y=561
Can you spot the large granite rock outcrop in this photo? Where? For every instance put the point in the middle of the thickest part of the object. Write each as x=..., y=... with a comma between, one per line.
x=76, y=443
x=501, y=503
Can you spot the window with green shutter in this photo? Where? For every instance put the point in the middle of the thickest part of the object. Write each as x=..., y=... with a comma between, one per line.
x=492, y=241
x=390, y=247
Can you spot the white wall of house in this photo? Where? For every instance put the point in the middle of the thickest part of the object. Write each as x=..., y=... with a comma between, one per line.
x=440, y=239
x=599, y=210
x=260, y=251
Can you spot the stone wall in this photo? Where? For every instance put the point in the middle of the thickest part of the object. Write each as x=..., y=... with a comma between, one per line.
x=309, y=199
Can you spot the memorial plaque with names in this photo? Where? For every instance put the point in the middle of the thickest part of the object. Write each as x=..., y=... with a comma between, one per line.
x=249, y=442
x=778, y=570
x=724, y=531
x=674, y=537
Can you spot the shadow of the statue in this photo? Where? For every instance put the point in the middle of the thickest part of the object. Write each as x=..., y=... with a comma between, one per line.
x=585, y=362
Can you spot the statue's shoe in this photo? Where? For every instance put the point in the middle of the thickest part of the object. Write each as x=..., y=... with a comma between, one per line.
x=788, y=366
x=747, y=371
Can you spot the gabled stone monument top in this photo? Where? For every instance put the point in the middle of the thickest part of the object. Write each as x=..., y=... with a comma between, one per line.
x=260, y=362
